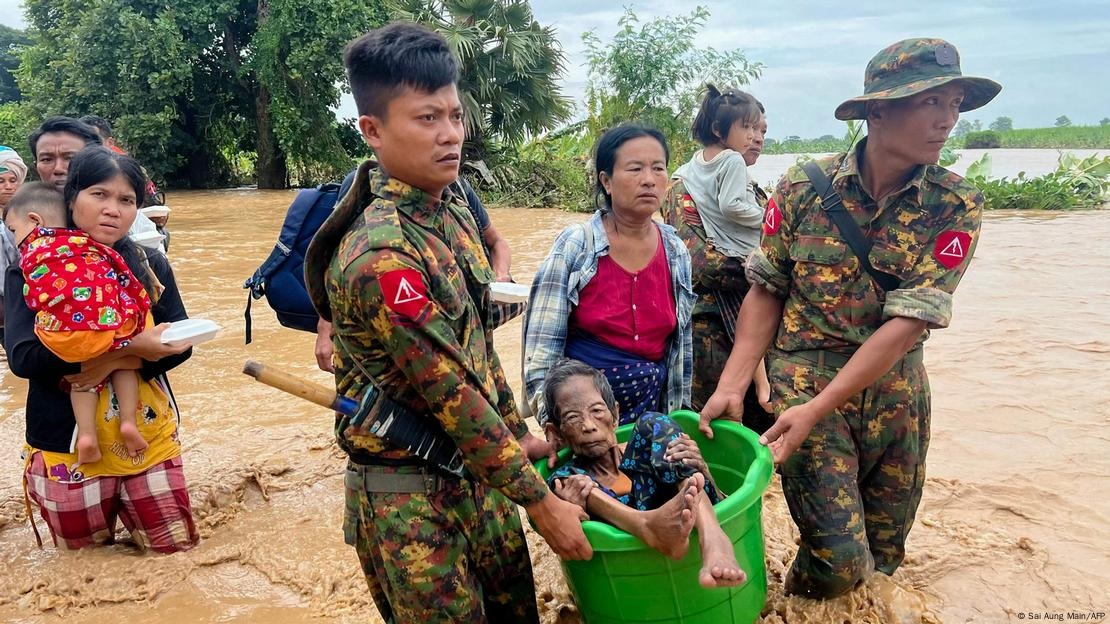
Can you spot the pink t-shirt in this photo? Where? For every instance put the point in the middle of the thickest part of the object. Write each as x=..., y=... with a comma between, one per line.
x=633, y=312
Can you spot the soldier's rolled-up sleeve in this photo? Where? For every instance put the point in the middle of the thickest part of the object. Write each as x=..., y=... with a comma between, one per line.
x=926, y=289
x=425, y=349
x=769, y=265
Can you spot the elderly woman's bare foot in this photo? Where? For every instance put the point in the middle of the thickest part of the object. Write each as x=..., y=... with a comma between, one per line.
x=718, y=559
x=667, y=529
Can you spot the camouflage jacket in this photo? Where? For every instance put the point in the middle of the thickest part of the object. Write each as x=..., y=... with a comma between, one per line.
x=405, y=282
x=924, y=234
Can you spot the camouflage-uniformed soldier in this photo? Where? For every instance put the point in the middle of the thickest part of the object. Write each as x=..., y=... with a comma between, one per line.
x=846, y=369
x=400, y=272
x=712, y=273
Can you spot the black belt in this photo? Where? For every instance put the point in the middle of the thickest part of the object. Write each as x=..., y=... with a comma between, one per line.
x=395, y=479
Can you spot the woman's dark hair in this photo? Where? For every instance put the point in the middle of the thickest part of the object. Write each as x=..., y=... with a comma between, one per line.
x=386, y=60
x=561, y=372
x=68, y=125
x=720, y=110
x=96, y=164
x=605, y=155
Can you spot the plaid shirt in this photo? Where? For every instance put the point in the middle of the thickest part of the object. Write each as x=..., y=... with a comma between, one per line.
x=568, y=268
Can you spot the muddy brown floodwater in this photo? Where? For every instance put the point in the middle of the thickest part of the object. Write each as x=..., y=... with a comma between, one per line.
x=1015, y=518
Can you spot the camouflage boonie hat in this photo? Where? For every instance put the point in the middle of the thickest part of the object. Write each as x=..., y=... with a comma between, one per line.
x=912, y=66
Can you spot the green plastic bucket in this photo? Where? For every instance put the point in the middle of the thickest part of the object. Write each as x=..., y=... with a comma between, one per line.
x=626, y=581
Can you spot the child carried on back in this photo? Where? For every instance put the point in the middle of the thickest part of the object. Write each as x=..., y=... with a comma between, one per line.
x=717, y=180
x=656, y=487
x=86, y=303
x=717, y=176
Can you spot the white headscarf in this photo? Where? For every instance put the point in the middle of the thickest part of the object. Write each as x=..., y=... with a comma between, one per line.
x=10, y=161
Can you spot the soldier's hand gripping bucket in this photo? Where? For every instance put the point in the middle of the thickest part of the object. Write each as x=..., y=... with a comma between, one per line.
x=626, y=581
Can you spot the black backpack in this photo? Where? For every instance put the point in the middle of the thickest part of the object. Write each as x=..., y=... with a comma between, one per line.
x=281, y=277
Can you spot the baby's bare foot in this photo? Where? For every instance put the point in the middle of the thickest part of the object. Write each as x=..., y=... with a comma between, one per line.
x=88, y=450
x=132, y=438
x=667, y=529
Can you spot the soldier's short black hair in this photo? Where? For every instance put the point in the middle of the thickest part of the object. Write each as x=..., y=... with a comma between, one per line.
x=102, y=125
x=389, y=59
x=605, y=155
x=564, y=370
x=719, y=110
x=38, y=197
x=68, y=125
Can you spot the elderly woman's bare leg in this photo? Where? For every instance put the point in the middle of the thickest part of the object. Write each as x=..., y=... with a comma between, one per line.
x=718, y=559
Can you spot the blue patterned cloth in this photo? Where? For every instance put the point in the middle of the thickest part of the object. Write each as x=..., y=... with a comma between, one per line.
x=637, y=383
x=654, y=479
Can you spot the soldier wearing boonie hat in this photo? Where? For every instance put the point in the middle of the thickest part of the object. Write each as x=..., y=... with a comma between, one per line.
x=845, y=359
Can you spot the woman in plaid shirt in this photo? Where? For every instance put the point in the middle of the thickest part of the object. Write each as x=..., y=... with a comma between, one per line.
x=615, y=291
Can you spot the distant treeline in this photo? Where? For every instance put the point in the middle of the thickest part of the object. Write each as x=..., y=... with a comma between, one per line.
x=1067, y=137
x=1073, y=137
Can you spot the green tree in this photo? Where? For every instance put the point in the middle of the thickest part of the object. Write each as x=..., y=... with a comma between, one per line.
x=17, y=121
x=1002, y=124
x=11, y=45
x=1062, y=121
x=1105, y=121
x=351, y=139
x=976, y=126
x=654, y=71
x=963, y=127
x=192, y=85
x=510, y=67
x=296, y=58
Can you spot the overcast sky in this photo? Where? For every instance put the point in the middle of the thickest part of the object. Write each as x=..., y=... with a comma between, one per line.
x=1052, y=58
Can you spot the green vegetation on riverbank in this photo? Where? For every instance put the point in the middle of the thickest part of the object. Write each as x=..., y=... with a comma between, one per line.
x=1077, y=184
x=651, y=71
x=1067, y=137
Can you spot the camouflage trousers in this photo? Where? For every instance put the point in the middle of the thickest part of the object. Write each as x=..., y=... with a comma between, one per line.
x=854, y=485
x=454, y=554
x=712, y=347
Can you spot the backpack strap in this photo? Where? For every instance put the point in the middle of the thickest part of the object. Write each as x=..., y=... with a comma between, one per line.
x=849, y=230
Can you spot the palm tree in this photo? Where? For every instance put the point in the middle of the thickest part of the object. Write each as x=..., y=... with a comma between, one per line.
x=510, y=67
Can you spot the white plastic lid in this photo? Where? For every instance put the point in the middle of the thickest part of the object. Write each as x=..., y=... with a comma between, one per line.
x=508, y=292
x=193, y=331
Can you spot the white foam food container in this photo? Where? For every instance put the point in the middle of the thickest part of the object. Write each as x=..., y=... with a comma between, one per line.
x=156, y=211
x=508, y=292
x=150, y=239
x=193, y=331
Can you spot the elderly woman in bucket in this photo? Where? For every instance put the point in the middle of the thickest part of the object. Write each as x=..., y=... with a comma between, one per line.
x=615, y=292
x=644, y=487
